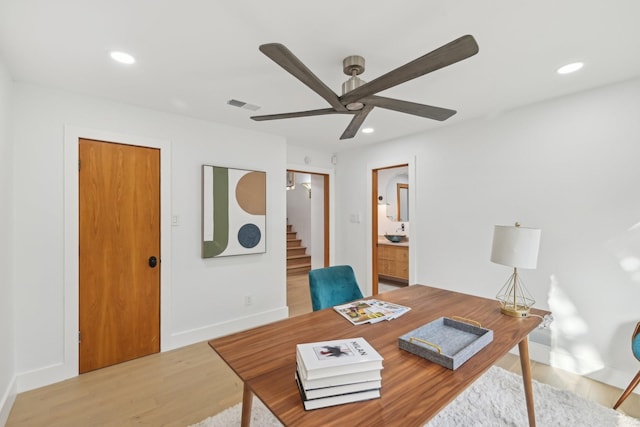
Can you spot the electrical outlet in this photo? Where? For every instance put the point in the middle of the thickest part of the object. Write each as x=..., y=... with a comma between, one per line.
x=248, y=300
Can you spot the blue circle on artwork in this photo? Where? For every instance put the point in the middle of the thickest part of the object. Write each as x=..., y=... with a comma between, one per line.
x=249, y=235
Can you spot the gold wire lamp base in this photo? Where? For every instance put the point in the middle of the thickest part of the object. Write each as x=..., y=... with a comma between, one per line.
x=514, y=298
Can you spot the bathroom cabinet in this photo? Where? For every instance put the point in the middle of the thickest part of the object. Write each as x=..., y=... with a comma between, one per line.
x=393, y=262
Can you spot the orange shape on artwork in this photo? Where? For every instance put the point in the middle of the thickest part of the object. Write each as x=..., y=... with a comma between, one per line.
x=251, y=193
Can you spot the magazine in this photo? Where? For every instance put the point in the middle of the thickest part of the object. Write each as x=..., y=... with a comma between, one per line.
x=370, y=311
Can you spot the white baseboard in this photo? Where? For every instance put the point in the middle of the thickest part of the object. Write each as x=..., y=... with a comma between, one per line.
x=592, y=369
x=44, y=376
x=596, y=371
x=539, y=353
x=205, y=333
x=59, y=372
x=8, y=398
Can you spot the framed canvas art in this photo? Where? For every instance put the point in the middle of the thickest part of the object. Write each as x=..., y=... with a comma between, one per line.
x=234, y=211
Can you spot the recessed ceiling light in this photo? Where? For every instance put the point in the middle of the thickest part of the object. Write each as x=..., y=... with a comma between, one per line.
x=367, y=130
x=122, y=57
x=570, y=68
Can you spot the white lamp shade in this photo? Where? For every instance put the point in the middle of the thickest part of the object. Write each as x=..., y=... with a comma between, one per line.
x=515, y=246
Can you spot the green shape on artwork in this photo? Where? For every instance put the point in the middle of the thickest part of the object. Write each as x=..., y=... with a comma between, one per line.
x=220, y=214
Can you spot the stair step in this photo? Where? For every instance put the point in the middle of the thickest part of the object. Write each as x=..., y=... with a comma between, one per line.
x=297, y=269
x=293, y=242
x=296, y=250
x=298, y=260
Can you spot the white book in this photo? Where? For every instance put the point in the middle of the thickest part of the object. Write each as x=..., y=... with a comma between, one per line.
x=336, y=357
x=356, y=377
x=338, y=390
x=341, y=399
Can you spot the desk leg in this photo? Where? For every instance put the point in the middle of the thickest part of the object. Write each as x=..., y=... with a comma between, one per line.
x=525, y=363
x=247, y=400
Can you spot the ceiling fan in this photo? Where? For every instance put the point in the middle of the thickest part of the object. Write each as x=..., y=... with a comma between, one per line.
x=358, y=97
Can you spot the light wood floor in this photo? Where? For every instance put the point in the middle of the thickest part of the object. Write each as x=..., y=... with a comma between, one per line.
x=184, y=386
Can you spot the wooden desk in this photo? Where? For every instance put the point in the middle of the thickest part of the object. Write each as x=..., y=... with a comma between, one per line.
x=413, y=389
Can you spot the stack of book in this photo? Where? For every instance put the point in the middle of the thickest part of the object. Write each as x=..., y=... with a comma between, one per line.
x=335, y=372
x=370, y=311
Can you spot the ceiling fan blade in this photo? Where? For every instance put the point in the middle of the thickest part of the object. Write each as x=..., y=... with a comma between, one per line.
x=308, y=113
x=457, y=50
x=356, y=122
x=282, y=56
x=422, y=110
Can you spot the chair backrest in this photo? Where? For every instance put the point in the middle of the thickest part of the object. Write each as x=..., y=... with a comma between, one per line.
x=331, y=286
x=635, y=342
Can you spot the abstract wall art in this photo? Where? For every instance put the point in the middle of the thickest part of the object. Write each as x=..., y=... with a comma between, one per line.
x=234, y=211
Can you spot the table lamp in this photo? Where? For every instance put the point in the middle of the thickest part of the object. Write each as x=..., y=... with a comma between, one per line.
x=516, y=247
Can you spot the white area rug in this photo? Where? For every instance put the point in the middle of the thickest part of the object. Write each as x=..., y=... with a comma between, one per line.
x=495, y=399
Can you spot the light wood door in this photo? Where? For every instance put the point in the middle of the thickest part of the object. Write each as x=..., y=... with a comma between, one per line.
x=119, y=234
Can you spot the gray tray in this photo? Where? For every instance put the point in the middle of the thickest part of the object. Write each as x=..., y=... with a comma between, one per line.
x=446, y=341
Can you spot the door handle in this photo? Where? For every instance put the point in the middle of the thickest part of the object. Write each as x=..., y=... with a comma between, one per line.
x=153, y=261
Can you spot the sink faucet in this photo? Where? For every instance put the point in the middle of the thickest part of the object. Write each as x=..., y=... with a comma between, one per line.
x=401, y=227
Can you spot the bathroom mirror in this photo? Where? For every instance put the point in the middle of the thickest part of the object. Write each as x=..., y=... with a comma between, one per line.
x=402, y=197
x=396, y=191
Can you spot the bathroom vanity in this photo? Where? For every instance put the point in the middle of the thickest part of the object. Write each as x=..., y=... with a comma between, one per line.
x=393, y=260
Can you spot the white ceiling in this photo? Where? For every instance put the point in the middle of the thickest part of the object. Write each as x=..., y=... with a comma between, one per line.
x=194, y=55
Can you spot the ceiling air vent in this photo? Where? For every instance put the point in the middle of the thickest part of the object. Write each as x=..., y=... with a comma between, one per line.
x=242, y=104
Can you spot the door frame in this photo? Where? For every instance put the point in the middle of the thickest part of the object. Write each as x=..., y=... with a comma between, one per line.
x=329, y=231
x=372, y=217
x=72, y=134
x=326, y=209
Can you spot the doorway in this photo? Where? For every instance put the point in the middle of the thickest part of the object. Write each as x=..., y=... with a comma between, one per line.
x=308, y=241
x=390, y=227
x=308, y=216
x=119, y=253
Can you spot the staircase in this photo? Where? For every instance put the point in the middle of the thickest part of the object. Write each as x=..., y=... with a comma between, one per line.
x=297, y=259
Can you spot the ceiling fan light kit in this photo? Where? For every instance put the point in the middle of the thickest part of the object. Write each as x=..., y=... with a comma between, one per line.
x=359, y=97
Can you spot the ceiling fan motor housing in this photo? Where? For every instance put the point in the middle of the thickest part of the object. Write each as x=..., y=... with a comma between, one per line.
x=351, y=84
x=353, y=63
x=353, y=66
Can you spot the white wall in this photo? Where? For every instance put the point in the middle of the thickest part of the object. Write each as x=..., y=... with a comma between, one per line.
x=206, y=297
x=305, y=159
x=7, y=336
x=568, y=166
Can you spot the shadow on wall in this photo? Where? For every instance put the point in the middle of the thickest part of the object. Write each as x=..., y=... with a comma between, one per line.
x=571, y=348
x=626, y=249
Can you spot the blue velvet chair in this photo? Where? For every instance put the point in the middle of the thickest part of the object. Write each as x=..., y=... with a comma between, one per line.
x=331, y=286
x=635, y=348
